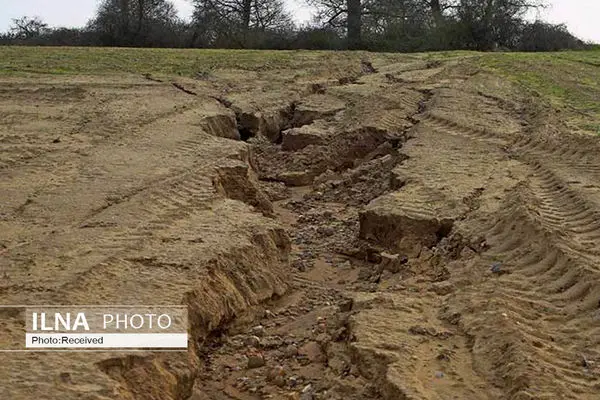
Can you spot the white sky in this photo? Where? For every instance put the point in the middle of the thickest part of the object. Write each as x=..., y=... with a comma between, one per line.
x=581, y=16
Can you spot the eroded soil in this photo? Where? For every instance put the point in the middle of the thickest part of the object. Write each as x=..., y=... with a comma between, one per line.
x=410, y=231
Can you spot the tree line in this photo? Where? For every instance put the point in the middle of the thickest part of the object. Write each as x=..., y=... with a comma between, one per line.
x=377, y=25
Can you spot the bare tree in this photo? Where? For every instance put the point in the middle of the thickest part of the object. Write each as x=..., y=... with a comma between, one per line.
x=481, y=24
x=132, y=22
x=493, y=23
x=368, y=18
x=237, y=21
x=379, y=25
x=28, y=27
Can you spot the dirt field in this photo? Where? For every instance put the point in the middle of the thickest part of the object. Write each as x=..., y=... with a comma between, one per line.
x=340, y=225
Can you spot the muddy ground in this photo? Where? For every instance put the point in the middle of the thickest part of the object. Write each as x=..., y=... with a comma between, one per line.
x=387, y=230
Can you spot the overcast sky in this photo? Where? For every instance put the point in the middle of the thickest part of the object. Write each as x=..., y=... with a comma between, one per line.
x=581, y=16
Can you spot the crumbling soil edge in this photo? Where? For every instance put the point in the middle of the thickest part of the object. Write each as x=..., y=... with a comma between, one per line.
x=236, y=282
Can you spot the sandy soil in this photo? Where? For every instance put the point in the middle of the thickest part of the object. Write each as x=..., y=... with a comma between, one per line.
x=426, y=231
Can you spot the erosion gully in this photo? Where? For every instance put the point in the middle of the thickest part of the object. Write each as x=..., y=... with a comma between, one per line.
x=297, y=346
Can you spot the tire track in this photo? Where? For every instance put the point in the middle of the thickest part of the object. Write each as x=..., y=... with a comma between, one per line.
x=540, y=300
x=547, y=287
x=454, y=128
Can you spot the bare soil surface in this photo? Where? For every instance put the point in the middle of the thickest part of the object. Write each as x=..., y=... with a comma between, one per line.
x=424, y=231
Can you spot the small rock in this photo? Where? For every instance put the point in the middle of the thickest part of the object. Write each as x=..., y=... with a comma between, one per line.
x=373, y=256
x=296, y=178
x=300, y=265
x=272, y=342
x=291, y=351
x=307, y=393
x=478, y=242
x=386, y=257
x=586, y=363
x=292, y=381
x=242, y=382
x=255, y=361
x=253, y=341
x=391, y=262
x=258, y=331
x=421, y=330
x=277, y=376
x=279, y=381
x=322, y=339
x=326, y=230
x=312, y=351
x=295, y=139
x=497, y=269
x=57, y=140
x=442, y=288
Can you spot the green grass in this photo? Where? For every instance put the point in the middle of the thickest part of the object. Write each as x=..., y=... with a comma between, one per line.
x=91, y=60
x=185, y=62
x=569, y=81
